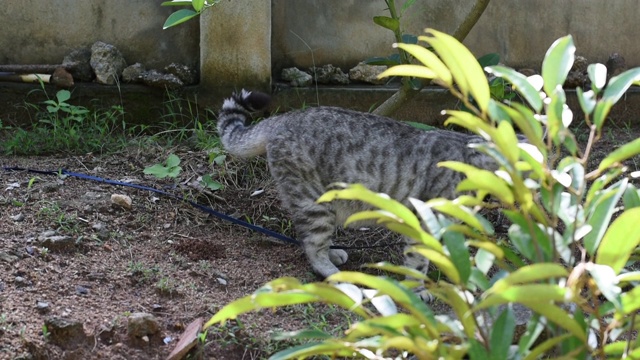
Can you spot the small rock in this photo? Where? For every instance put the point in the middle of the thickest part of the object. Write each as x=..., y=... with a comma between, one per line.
x=30, y=250
x=8, y=258
x=42, y=306
x=133, y=73
x=156, y=307
x=157, y=79
x=55, y=242
x=81, y=290
x=78, y=63
x=51, y=187
x=367, y=73
x=296, y=77
x=20, y=281
x=17, y=218
x=329, y=74
x=107, y=63
x=121, y=200
x=142, y=324
x=578, y=76
x=186, y=74
x=68, y=334
x=615, y=65
x=62, y=78
x=222, y=281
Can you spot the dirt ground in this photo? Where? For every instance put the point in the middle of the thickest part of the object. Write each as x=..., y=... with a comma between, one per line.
x=66, y=252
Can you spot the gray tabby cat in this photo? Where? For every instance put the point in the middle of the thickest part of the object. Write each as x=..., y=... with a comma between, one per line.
x=307, y=150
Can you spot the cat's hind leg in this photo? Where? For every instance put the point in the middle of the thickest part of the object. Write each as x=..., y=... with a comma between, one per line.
x=299, y=186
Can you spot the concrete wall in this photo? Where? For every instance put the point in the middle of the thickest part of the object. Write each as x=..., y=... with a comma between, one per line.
x=43, y=32
x=341, y=32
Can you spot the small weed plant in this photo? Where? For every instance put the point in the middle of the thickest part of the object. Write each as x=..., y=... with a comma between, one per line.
x=61, y=127
x=568, y=254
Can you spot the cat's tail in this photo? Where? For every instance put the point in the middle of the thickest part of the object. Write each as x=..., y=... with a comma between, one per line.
x=236, y=136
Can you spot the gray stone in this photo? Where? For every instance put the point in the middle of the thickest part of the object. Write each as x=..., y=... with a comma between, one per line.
x=367, y=73
x=55, y=242
x=133, y=73
x=68, y=334
x=79, y=64
x=17, y=218
x=8, y=258
x=615, y=65
x=578, y=76
x=42, y=306
x=186, y=74
x=296, y=77
x=157, y=79
x=329, y=74
x=142, y=324
x=107, y=63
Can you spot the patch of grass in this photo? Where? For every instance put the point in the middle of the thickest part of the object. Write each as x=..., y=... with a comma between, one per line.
x=51, y=212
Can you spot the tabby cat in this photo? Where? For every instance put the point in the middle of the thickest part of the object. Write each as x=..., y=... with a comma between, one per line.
x=307, y=150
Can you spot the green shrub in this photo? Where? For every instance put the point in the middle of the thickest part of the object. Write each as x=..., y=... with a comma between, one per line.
x=566, y=256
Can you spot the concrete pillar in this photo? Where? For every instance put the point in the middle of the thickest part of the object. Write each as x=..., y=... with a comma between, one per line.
x=235, y=47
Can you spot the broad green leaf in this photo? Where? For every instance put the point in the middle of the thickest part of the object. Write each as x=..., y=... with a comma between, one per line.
x=63, y=95
x=619, y=84
x=601, y=112
x=620, y=240
x=540, y=293
x=502, y=334
x=557, y=63
x=302, y=335
x=478, y=179
x=630, y=302
x=545, y=346
x=394, y=324
x=531, y=273
x=179, y=17
x=387, y=22
x=457, y=211
x=456, y=299
x=600, y=214
x=631, y=197
x=441, y=261
x=387, y=286
x=600, y=183
x=520, y=84
x=430, y=60
x=490, y=59
x=507, y=141
x=308, y=350
x=420, y=126
x=477, y=351
x=598, y=75
x=397, y=269
x=197, y=5
x=470, y=122
x=173, y=160
x=557, y=316
x=587, y=100
x=622, y=153
x=458, y=253
x=464, y=67
x=386, y=61
x=409, y=70
x=380, y=201
x=628, y=277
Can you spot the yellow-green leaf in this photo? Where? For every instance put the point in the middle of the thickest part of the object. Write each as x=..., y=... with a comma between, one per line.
x=622, y=237
x=430, y=60
x=530, y=273
x=464, y=67
x=622, y=153
x=441, y=261
x=409, y=70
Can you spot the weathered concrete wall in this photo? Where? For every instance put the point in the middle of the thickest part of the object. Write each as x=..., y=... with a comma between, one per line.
x=342, y=32
x=39, y=32
x=235, y=46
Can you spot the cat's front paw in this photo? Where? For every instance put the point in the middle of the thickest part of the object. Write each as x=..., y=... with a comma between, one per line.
x=338, y=256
